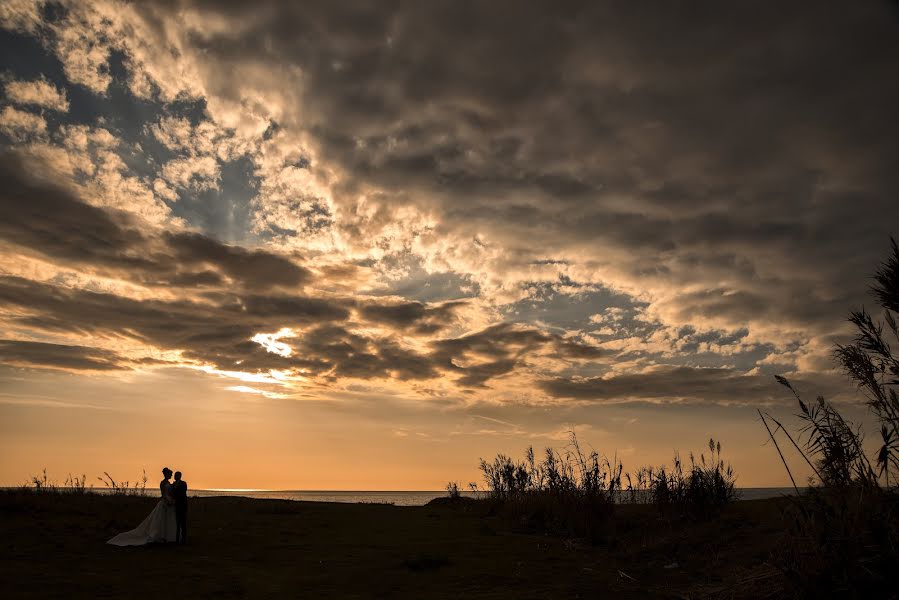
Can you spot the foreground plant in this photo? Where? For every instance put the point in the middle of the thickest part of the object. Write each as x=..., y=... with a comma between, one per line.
x=872, y=364
x=843, y=531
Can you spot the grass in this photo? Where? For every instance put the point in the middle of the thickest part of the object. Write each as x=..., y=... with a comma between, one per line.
x=54, y=547
x=123, y=488
x=706, y=486
x=75, y=485
x=574, y=493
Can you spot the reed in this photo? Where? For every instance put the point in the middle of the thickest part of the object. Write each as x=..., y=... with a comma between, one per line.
x=74, y=484
x=574, y=491
x=707, y=485
x=843, y=532
x=452, y=489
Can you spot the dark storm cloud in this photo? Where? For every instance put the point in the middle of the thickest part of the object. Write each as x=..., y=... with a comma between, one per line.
x=54, y=222
x=669, y=384
x=738, y=159
x=219, y=332
x=349, y=354
x=60, y=356
x=418, y=315
x=499, y=349
x=203, y=330
x=255, y=267
x=499, y=343
x=683, y=134
x=596, y=68
x=575, y=350
x=216, y=326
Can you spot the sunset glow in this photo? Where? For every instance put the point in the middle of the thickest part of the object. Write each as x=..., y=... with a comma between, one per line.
x=278, y=246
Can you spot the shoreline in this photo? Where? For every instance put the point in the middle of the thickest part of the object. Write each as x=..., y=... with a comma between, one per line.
x=395, y=497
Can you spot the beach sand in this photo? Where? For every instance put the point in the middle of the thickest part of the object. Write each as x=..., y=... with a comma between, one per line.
x=53, y=546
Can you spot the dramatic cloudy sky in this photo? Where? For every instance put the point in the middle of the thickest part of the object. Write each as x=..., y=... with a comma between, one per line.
x=351, y=245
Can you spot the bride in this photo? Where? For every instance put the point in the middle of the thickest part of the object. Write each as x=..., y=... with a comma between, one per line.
x=159, y=526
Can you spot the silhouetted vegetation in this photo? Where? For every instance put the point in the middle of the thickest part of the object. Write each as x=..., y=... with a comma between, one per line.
x=124, y=488
x=570, y=492
x=73, y=484
x=574, y=492
x=871, y=363
x=452, y=488
x=843, y=532
x=572, y=473
x=707, y=485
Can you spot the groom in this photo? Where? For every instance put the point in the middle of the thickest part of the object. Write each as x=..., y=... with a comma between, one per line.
x=180, y=492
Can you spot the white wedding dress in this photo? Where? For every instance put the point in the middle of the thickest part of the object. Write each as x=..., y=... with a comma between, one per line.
x=159, y=526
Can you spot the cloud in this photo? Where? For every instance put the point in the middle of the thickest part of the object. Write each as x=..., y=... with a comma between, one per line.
x=649, y=179
x=666, y=384
x=39, y=92
x=195, y=173
x=20, y=125
x=257, y=268
x=83, y=53
x=218, y=326
x=22, y=15
x=223, y=331
x=211, y=333
x=403, y=315
x=464, y=151
x=500, y=349
x=59, y=356
x=53, y=222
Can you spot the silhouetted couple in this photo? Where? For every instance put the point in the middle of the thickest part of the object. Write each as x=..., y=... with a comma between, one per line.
x=167, y=522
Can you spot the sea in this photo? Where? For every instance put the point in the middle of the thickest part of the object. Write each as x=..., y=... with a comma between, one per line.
x=413, y=498
x=397, y=498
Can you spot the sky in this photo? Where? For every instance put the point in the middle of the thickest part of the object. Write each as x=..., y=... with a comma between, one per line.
x=329, y=245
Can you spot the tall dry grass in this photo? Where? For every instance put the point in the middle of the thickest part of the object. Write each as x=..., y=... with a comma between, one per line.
x=73, y=484
x=573, y=491
x=844, y=532
x=705, y=486
x=569, y=492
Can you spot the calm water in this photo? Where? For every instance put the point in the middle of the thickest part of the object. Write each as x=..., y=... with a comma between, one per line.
x=411, y=498
x=399, y=498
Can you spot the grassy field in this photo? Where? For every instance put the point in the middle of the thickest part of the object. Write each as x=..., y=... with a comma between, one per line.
x=53, y=546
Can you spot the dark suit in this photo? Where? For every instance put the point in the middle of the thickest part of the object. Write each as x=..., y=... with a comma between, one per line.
x=180, y=490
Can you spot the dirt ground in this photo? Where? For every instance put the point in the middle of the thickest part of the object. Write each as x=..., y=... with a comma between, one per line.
x=53, y=546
